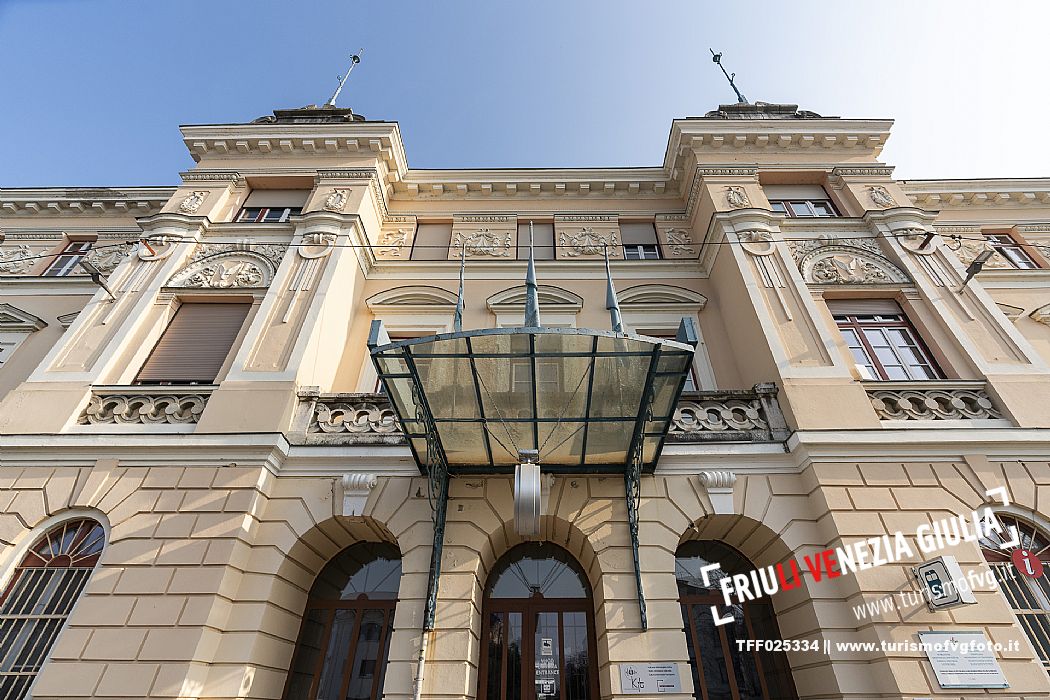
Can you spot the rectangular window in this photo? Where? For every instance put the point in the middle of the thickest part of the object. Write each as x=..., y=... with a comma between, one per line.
x=804, y=208
x=431, y=241
x=641, y=252
x=194, y=346
x=884, y=345
x=65, y=263
x=1014, y=253
x=267, y=215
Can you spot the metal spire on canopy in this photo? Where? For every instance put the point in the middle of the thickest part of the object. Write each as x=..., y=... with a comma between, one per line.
x=611, y=303
x=457, y=318
x=532, y=294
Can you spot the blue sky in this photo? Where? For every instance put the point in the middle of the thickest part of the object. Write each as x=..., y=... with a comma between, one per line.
x=92, y=91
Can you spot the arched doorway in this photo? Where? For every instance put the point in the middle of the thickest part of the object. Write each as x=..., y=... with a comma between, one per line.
x=721, y=670
x=537, y=628
x=343, y=643
x=1029, y=598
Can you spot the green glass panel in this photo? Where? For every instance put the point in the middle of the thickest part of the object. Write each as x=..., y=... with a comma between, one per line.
x=607, y=443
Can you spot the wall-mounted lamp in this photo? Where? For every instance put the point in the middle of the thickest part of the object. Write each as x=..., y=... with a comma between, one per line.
x=976, y=266
x=96, y=276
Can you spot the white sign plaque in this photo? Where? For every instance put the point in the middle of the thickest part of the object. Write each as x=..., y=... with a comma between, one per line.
x=636, y=679
x=963, y=660
x=940, y=579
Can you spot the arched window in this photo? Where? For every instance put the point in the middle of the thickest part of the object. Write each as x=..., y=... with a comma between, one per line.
x=343, y=643
x=36, y=603
x=1029, y=598
x=721, y=671
x=537, y=630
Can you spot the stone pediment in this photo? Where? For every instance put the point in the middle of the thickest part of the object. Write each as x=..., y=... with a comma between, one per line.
x=229, y=266
x=551, y=298
x=652, y=296
x=845, y=261
x=14, y=319
x=412, y=296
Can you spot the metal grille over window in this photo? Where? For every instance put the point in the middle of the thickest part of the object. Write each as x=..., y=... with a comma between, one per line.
x=1029, y=598
x=38, y=600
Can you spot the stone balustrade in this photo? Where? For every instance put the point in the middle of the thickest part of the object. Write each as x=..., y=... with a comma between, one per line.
x=702, y=416
x=933, y=400
x=146, y=405
x=729, y=416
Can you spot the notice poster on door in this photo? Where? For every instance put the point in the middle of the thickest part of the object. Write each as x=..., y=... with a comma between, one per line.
x=546, y=676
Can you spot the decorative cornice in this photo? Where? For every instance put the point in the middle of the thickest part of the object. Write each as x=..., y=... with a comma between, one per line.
x=135, y=201
x=875, y=171
x=988, y=192
x=210, y=176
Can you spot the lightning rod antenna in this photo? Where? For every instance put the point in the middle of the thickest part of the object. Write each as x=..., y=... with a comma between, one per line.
x=354, y=60
x=717, y=58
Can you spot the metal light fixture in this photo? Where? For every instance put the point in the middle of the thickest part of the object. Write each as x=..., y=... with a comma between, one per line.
x=976, y=266
x=528, y=493
x=96, y=276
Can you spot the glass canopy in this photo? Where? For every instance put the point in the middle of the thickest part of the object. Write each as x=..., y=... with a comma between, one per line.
x=586, y=400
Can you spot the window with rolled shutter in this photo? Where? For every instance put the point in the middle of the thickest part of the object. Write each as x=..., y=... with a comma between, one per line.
x=195, y=344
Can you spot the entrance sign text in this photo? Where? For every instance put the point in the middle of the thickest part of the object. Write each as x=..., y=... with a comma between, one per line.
x=636, y=679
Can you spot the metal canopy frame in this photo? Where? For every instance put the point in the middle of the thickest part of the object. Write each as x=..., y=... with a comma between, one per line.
x=402, y=367
x=398, y=363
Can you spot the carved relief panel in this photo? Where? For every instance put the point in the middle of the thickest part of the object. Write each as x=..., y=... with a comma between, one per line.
x=394, y=239
x=675, y=237
x=484, y=236
x=586, y=236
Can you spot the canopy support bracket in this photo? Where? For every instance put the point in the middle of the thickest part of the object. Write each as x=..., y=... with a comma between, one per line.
x=632, y=477
x=633, y=485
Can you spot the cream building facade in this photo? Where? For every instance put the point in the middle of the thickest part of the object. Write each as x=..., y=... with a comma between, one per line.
x=205, y=492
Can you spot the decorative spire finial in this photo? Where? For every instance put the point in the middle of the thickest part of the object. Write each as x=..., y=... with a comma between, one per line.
x=532, y=294
x=611, y=302
x=354, y=60
x=457, y=318
x=717, y=58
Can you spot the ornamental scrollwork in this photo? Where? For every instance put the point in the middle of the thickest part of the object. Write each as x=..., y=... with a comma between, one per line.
x=392, y=242
x=18, y=260
x=679, y=242
x=228, y=266
x=193, y=201
x=337, y=199
x=717, y=416
x=757, y=242
x=881, y=197
x=736, y=197
x=482, y=242
x=967, y=250
x=827, y=260
x=943, y=403
x=144, y=409
x=348, y=417
x=316, y=245
x=916, y=240
x=587, y=241
x=107, y=259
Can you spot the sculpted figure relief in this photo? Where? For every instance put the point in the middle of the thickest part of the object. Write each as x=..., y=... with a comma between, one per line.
x=193, y=202
x=736, y=197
